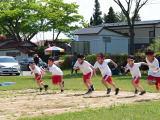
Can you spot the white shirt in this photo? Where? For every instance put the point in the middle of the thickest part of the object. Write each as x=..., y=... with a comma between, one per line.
x=154, y=66
x=104, y=68
x=36, y=70
x=134, y=70
x=85, y=67
x=55, y=70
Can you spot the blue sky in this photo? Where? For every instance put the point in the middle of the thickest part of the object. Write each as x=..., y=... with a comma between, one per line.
x=148, y=12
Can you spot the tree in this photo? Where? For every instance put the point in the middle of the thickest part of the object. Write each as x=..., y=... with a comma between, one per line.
x=23, y=19
x=155, y=46
x=96, y=19
x=20, y=18
x=61, y=17
x=122, y=17
x=111, y=17
x=131, y=10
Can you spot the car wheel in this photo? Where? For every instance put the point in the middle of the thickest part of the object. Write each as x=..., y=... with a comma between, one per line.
x=10, y=74
x=17, y=74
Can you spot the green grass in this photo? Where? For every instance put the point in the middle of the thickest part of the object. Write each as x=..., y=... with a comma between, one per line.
x=140, y=111
x=72, y=82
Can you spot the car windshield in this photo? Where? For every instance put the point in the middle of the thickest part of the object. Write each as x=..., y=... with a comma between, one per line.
x=7, y=60
x=27, y=59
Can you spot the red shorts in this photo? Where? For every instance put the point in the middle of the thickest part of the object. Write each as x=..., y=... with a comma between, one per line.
x=107, y=78
x=157, y=79
x=38, y=77
x=87, y=77
x=56, y=79
x=136, y=80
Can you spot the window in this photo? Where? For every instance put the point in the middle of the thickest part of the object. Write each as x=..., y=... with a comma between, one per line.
x=13, y=54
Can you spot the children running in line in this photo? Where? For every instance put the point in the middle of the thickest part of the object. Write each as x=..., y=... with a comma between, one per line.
x=38, y=74
x=57, y=74
x=87, y=70
x=102, y=65
x=154, y=69
x=136, y=74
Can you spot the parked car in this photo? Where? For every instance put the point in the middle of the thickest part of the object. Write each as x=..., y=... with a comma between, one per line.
x=8, y=65
x=24, y=62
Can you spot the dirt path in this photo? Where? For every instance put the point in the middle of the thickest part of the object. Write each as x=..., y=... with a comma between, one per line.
x=28, y=103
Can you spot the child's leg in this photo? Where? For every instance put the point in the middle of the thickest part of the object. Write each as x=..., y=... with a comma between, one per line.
x=113, y=84
x=105, y=83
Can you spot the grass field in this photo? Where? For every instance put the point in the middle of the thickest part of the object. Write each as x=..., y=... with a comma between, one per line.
x=141, y=111
x=72, y=82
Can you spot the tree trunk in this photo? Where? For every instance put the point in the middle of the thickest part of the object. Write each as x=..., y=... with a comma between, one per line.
x=58, y=35
x=132, y=39
x=53, y=34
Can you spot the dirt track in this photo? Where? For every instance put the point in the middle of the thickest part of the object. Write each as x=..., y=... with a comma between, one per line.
x=29, y=103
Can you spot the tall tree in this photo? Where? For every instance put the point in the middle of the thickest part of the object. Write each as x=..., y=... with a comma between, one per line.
x=97, y=19
x=111, y=17
x=130, y=9
x=122, y=17
x=23, y=19
x=20, y=18
x=61, y=17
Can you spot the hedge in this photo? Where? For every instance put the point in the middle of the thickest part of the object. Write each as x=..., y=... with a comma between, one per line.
x=121, y=60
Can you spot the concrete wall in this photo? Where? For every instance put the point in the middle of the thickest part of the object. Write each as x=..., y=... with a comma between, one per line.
x=20, y=55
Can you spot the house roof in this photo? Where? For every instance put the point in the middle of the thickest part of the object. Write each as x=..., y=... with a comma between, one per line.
x=150, y=22
x=98, y=28
x=90, y=30
x=22, y=46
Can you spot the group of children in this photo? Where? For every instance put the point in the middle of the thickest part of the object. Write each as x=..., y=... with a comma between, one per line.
x=102, y=64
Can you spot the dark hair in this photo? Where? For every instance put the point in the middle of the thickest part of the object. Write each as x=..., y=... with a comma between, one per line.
x=33, y=63
x=149, y=52
x=131, y=57
x=51, y=59
x=101, y=55
x=80, y=56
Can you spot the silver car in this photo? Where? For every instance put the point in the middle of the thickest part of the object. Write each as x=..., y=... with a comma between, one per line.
x=8, y=65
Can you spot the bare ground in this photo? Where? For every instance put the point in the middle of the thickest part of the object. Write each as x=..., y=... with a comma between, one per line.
x=29, y=103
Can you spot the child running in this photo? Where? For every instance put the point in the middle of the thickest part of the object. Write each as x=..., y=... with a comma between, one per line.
x=38, y=74
x=87, y=70
x=102, y=65
x=154, y=69
x=57, y=74
x=135, y=72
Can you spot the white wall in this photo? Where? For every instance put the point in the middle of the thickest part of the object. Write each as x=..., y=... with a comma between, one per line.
x=118, y=44
x=4, y=53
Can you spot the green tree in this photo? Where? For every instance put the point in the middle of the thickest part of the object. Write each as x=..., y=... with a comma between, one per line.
x=61, y=17
x=96, y=19
x=111, y=17
x=155, y=46
x=23, y=19
x=122, y=17
x=20, y=18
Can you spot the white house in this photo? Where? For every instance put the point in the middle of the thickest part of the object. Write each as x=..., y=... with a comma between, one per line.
x=101, y=40
x=117, y=36
x=17, y=49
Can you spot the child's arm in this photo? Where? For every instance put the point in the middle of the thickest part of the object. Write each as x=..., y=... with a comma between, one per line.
x=58, y=61
x=115, y=64
x=76, y=68
x=94, y=71
x=125, y=69
x=143, y=63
